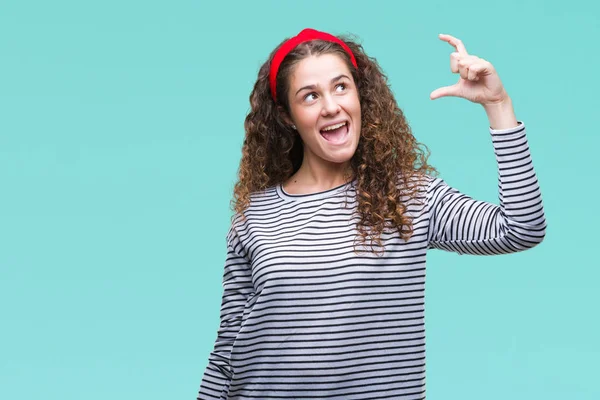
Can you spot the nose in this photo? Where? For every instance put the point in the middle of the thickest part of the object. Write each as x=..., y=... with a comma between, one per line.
x=330, y=106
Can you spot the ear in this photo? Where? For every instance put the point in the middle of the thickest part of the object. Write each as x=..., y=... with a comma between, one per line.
x=284, y=115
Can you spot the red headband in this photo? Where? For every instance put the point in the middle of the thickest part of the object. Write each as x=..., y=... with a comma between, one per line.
x=304, y=36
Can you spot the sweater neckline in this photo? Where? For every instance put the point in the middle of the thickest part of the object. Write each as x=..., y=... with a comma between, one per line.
x=315, y=195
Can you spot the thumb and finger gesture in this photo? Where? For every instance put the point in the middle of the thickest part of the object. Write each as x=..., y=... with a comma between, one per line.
x=479, y=82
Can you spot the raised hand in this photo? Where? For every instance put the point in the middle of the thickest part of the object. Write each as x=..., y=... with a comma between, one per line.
x=479, y=82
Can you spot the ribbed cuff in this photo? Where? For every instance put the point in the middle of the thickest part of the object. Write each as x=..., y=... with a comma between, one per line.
x=508, y=130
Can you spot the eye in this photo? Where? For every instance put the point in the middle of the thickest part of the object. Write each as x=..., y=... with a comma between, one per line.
x=310, y=94
x=336, y=86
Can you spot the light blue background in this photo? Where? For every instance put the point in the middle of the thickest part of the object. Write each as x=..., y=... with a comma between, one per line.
x=121, y=124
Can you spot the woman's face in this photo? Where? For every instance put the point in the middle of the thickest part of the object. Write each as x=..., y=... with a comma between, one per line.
x=322, y=94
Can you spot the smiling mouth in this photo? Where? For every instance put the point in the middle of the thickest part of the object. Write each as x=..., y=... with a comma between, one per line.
x=336, y=135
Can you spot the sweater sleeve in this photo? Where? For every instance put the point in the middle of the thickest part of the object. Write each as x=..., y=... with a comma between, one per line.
x=466, y=226
x=237, y=288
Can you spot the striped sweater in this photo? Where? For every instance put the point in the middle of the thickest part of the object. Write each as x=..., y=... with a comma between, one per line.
x=304, y=317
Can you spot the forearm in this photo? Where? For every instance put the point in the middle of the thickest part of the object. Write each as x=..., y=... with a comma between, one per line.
x=467, y=226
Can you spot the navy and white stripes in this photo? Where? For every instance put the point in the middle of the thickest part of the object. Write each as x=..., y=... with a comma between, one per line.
x=304, y=317
x=460, y=224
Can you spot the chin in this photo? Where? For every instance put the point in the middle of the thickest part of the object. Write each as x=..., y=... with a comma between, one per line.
x=341, y=158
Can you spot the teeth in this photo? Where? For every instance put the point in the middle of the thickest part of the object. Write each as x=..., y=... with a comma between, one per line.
x=332, y=127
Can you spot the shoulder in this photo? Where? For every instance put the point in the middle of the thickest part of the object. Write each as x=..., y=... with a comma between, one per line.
x=417, y=181
x=262, y=204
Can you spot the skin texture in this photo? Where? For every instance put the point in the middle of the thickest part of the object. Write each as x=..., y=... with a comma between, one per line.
x=311, y=109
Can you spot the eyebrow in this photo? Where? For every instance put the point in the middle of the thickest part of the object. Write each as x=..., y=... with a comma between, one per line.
x=337, y=78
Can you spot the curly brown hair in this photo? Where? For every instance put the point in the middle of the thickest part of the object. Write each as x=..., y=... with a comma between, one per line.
x=385, y=163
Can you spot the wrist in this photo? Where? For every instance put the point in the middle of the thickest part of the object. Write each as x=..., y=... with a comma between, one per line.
x=501, y=114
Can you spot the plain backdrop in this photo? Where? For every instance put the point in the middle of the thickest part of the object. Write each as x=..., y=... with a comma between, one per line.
x=121, y=125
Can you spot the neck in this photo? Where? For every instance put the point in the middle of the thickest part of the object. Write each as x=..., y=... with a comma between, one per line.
x=323, y=176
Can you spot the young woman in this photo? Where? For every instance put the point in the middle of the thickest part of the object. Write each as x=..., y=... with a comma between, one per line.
x=336, y=207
